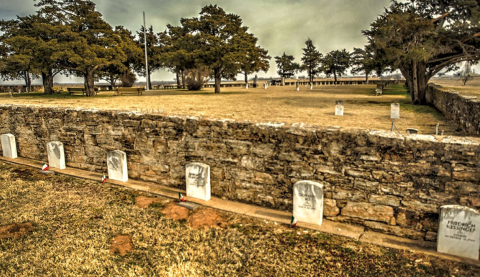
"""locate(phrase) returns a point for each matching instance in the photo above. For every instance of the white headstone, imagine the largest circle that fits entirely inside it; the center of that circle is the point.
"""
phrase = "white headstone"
(117, 165)
(56, 155)
(9, 146)
(339, 107)
(265, 85)
(308, 202)
(459, 231)
(298, 86)
(395, 111)
(246, 86)
(198, 181)
(311, 86)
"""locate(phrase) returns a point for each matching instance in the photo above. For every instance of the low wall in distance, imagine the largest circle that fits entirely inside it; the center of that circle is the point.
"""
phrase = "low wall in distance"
(461, 109)
(382, 181)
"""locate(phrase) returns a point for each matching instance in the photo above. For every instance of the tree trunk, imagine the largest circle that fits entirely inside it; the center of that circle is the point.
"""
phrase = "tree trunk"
(366, 77)
(283, 81)
(246, 77)
(335, 76)
(28, 82)
(47, 79)
(218, 79)
(184, 83)
(178, 80)
(417, 81)
(89, 84)
(149, 80)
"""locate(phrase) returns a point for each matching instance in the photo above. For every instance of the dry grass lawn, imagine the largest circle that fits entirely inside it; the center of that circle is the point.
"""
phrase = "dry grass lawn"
(472, 87)
(276, 104)
(85, 228)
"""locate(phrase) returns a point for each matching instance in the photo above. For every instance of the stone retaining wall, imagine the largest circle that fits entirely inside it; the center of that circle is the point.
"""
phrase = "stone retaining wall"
(376, 179)
(461, 109)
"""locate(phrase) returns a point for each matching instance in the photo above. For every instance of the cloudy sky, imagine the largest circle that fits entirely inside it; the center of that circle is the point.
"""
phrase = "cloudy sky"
(280, 25)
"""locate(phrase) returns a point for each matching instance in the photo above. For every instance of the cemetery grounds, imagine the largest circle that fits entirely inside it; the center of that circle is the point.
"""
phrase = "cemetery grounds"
(64, 226)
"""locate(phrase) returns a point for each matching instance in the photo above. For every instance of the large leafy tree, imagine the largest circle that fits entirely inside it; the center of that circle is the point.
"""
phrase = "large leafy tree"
(336, 63)
(118, 69)
(88, 43)
(362, 60)
(286, 67)
(421, 38)
(154, 50)
(217, 40)
(256, 58)
(311, 59)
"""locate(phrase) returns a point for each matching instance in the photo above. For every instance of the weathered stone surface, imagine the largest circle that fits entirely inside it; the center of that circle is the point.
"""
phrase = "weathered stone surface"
(368, 211)
(330, 207)
(385, 200)
(259, 163)
(416, 205)
(394, 230)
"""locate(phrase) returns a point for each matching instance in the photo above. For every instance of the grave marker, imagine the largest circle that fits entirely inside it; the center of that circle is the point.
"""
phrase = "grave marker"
(459, 231)
(308, 202)
(395, 111)
(9, 146)
(117, 165)
(56, 154)
(197, 177)
(412, 131)
(298, 86)
(339, 107)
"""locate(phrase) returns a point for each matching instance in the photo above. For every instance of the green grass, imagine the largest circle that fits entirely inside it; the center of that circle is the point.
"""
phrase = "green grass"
(75, 220)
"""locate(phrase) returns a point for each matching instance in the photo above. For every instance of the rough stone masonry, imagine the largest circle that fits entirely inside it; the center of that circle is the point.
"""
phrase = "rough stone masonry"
(376, 179)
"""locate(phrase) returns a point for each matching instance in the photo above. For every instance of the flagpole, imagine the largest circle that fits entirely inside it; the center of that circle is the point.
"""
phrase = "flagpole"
(146, 57)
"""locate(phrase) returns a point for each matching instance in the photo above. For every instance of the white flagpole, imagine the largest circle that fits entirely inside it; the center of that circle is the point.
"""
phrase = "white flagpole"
(146, 57)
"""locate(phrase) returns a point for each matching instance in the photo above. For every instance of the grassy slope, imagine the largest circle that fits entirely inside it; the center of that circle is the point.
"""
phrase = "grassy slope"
(75, 220)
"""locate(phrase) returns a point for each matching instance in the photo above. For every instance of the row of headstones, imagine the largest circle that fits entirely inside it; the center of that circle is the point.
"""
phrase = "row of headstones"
(459, 227)
(394, 109)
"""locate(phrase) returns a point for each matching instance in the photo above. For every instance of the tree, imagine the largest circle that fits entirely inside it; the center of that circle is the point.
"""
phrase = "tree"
(336, 62)
(153, 53)
(286, 67)
(362, 60)
(256, 58)
(119, 69)
(311, 59)
(421, 38)
(88, 42)
(218, 41)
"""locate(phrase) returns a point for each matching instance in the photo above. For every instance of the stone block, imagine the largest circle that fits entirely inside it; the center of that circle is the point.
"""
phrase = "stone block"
(9, 146)
(459, 231)
(368, 211)
(197, 177)
(117, 165)
(56, 155)
(308, 202)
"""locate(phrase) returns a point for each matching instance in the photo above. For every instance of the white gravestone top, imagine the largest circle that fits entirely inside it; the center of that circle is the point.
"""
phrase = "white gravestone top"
(117, 165)
(395, 111)
(308, 202)
(56, 155)
(9, 146)
(339, 107)
(197, 177)
(459, 231)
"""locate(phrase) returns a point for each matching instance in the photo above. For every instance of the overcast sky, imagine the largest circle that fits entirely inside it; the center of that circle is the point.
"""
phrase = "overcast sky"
(280, 25)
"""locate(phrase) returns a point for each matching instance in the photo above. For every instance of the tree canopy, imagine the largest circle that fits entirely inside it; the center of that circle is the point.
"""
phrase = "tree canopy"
(311, 59)
(219, 41)
(336, 63)
(286, 67)
(422, 38)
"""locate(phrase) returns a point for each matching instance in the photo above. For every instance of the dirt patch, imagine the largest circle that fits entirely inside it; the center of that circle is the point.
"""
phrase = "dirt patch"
(144, 202)
(15, 230)
(205, 219)
(175, 212)
(121, 244)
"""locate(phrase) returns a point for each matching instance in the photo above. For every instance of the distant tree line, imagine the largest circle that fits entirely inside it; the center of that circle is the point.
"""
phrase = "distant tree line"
(419, 38)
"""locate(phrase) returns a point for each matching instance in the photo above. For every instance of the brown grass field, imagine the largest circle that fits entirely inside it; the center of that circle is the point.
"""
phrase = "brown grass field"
(54, 225)
(472, 87)
(276, 104)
